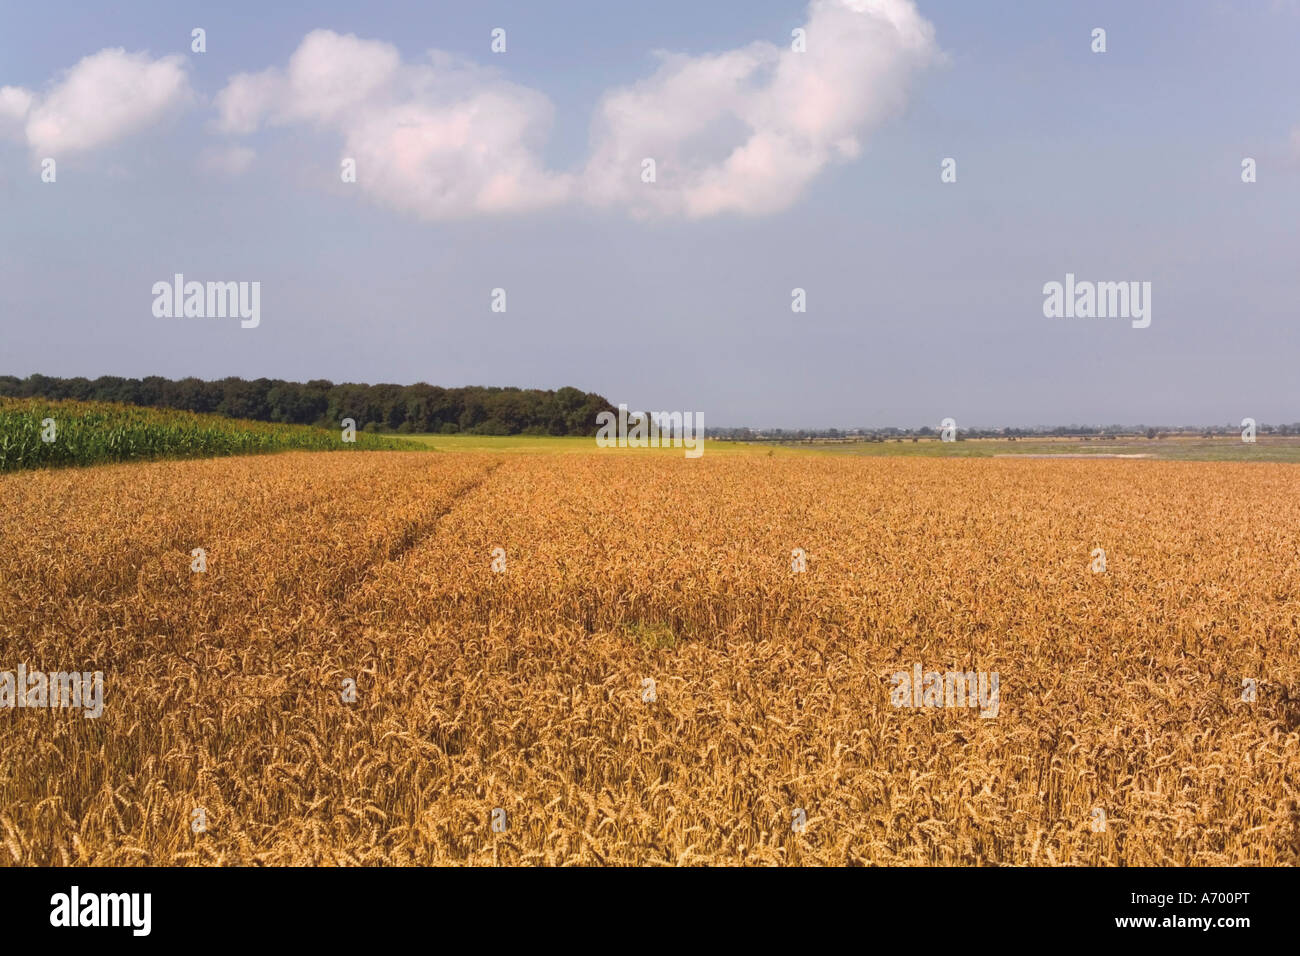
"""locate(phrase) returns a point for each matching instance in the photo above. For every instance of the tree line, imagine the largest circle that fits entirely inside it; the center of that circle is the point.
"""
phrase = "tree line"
(419, 408)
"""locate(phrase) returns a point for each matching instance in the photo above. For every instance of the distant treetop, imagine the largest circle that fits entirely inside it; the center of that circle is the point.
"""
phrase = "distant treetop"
(418, 408)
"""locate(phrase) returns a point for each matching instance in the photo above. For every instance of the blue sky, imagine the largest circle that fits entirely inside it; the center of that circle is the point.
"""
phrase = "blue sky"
(924, 298)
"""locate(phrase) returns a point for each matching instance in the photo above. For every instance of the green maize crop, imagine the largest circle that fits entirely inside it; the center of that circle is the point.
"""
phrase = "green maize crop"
(92, 433)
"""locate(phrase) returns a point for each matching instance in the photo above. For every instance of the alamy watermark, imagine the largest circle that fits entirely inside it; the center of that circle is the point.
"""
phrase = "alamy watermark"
(1098, 300)
(213, 300)
(60, 689)
(76, 908)
(946, 689)
(652, 430)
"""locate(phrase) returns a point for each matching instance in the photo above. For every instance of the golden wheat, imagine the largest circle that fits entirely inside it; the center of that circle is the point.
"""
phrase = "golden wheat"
(523, 691)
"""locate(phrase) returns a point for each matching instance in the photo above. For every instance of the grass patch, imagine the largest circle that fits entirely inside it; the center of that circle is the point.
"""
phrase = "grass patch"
(1225, 448)
(578, 444)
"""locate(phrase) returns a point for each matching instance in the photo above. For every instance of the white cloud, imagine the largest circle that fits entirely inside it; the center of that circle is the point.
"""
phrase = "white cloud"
(746, 130)
(741, 131)
(440, 139)
(103, 98)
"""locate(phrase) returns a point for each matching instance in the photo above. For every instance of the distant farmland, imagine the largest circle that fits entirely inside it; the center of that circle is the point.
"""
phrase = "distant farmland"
(1279, 448)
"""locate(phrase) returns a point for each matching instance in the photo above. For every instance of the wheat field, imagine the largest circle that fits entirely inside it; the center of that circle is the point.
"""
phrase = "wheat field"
(359, 676)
